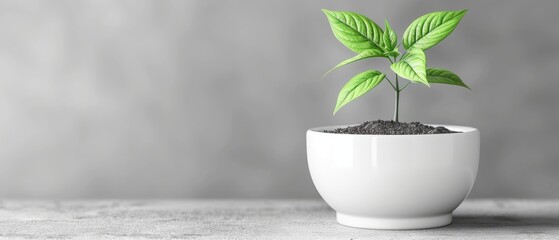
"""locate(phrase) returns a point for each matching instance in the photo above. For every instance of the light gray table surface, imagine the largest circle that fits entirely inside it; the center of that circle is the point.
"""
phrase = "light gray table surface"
(258, 219)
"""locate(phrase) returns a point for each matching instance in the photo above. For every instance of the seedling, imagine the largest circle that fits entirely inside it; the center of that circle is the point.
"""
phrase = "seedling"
(368, 40)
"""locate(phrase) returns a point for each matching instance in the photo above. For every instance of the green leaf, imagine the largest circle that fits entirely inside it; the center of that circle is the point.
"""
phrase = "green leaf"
(389, 37)
(365, 54)
(439, 75)
(357, 86)
(431, 28)
(393, 53)
(412, 66)
(355, 31)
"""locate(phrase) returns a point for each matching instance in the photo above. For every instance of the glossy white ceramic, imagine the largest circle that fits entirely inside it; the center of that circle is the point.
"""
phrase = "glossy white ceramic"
(393, 181)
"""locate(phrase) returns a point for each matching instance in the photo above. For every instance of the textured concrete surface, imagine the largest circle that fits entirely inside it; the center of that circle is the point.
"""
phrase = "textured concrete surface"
(258, 219)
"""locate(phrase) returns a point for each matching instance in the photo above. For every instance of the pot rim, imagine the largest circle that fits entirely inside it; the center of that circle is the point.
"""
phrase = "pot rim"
(461, 129)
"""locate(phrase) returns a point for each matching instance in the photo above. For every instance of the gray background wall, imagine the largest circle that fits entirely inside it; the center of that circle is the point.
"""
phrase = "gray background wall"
(212, 98)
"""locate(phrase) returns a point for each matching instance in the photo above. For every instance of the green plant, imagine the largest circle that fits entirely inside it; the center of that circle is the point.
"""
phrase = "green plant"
(368, 40)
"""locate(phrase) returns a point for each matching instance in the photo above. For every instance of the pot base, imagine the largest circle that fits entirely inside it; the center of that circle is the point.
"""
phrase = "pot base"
(394, 223)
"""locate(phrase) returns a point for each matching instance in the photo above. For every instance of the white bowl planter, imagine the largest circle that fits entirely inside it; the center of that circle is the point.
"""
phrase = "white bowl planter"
(393, 181)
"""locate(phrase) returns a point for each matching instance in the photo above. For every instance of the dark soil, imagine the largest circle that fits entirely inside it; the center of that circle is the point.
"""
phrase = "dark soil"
(381, 127)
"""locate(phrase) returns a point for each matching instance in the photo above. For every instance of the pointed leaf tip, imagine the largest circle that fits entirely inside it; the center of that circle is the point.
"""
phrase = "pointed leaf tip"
(363, 55)
(357, 86)
(355, 31)
(430, 29)
(443, 76)
(389, 37)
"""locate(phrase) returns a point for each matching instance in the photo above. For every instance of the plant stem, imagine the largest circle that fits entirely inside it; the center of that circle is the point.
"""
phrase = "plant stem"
(392, 85)
(397, 101)
(402, 89)
(397, 95)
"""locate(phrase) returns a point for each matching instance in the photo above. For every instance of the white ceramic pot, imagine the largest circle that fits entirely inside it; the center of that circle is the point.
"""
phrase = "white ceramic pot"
(393, 181)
